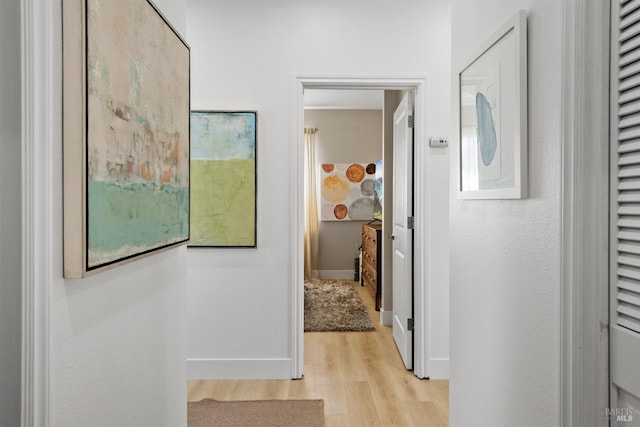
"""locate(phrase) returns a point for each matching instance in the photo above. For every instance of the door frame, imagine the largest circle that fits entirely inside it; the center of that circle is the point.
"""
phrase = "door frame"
(584, 311)
(403, 267)
(39, 112)
(296, 256)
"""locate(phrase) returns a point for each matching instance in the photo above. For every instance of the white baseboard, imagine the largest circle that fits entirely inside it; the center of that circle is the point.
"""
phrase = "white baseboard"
(336, 274)
(239, 369)
(439, 369)
(386, 317)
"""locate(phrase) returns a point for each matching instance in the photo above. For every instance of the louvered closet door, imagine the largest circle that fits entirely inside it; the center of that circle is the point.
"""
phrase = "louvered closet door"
(625, 214)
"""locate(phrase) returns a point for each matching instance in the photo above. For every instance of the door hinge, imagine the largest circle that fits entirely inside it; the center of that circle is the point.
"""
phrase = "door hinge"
(411, 223)
(412, 120)
(409, 324)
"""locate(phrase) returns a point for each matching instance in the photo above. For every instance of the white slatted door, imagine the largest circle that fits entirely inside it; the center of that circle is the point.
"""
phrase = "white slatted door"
(625, 214)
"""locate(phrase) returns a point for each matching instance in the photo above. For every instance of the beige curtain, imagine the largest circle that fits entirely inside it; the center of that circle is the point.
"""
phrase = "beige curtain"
(310, 206)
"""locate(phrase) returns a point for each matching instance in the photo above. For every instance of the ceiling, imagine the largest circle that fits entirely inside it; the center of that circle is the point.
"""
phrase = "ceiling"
(342, 99)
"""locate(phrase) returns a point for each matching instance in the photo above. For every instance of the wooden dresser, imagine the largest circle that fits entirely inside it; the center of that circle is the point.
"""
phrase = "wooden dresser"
(371, 272)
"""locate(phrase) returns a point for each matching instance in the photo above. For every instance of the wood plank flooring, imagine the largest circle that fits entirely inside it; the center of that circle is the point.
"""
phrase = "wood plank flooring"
(359, 375)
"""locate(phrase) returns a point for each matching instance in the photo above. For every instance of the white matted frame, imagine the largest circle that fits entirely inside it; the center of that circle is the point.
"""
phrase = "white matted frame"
(492, 161)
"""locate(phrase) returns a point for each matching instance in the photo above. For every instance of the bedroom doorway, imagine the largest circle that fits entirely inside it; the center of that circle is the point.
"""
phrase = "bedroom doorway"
(417, 87)
(345, 128)
(344, 176)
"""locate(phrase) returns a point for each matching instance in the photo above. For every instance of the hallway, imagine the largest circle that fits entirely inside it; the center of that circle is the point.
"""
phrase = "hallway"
(359, 375)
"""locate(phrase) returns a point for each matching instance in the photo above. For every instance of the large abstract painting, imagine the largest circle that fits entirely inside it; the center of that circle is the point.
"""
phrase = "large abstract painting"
(348, 191)
(223, 179)
(126, 142)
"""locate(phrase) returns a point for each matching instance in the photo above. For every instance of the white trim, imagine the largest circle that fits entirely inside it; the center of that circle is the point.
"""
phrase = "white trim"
(336, 274)
(584, 245)
(373, 83)
(386, 317)
(342, 107)
(296, 212)
(38, 132)
(421, 191)
(419, 84)
(239, 369)
(439, 369)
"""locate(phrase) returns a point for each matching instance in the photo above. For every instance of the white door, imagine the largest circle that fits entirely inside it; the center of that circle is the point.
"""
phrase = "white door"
(402, 230)
(625, 218)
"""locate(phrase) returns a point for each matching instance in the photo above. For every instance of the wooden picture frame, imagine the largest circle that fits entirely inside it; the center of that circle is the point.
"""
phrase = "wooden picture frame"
(492, 155)
(126, 89)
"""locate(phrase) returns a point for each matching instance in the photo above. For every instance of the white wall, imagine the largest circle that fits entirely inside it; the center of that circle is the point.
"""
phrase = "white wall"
(345, 136)
(505, 269)
(245, 55)
(10, 216)
(117, 343)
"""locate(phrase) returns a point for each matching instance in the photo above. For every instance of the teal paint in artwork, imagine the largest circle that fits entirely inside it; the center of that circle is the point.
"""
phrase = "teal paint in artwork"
(487, 139)
(142, 216)
(136, 85)
(137, 140)
(223, 136)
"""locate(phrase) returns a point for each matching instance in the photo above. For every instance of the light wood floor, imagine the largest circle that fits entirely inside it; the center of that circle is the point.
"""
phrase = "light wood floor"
(359, 375)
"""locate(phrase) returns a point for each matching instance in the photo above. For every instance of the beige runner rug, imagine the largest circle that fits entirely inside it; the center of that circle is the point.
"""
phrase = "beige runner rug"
(256, 413)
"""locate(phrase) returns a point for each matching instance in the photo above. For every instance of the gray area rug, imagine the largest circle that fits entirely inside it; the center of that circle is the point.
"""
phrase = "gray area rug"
(255, 413)
(334, 305)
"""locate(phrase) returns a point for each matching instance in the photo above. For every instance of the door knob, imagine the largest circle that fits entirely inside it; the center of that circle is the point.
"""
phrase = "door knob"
(392, 237)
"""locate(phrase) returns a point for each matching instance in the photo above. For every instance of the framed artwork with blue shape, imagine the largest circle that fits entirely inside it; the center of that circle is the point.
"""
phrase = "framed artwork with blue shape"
(492, 155)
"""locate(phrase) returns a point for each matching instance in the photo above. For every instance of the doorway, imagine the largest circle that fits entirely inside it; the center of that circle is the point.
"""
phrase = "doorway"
(420, 332)
(361, 130)
(346, 129)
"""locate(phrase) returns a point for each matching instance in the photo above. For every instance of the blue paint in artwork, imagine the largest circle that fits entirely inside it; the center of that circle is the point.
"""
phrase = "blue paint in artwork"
(223, 136)
(487, 140)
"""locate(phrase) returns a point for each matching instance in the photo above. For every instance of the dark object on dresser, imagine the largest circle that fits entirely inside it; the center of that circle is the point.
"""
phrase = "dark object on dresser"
(372, 259)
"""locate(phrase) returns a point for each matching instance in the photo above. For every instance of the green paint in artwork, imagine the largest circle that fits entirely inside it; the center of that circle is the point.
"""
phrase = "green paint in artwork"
(138, 70)
(125, 220)
(223, 202)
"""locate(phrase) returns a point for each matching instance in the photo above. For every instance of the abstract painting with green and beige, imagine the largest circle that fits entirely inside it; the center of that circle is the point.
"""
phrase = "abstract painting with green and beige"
(137, 132)
(223, 179)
